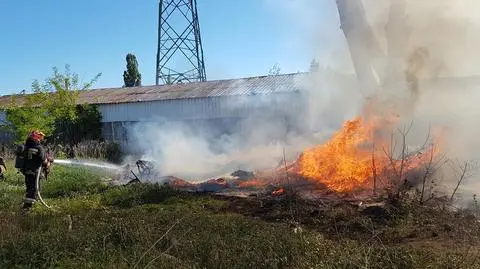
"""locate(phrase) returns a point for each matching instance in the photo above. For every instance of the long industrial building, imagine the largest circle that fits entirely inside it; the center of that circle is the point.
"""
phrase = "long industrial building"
(220, 106)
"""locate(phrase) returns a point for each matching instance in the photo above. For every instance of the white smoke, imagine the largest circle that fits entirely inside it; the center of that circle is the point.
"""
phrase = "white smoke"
(176, 149)
(192, 153)
(431, 39)
(436, 41)
(245, 132)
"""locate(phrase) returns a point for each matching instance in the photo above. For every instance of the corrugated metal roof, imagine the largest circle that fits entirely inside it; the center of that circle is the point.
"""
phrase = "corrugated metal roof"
(243, 86)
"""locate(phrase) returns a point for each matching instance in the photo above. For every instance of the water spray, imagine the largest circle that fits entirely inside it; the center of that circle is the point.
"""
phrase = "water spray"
(101, 165)
(71, 162)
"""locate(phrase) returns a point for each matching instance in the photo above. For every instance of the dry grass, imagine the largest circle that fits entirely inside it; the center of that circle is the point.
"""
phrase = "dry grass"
(152, 226)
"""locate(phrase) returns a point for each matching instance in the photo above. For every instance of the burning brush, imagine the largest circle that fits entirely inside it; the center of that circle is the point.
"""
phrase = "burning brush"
(355, 162)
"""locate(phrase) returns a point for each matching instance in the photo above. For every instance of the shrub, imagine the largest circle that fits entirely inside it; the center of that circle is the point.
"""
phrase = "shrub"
(105, 150)
(7, 151)
(113, 152)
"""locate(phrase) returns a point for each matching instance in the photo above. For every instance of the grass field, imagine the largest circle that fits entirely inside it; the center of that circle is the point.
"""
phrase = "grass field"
(151, 226)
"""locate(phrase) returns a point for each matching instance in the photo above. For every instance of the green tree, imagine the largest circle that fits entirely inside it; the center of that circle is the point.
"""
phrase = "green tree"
(274, 71)
(27, 114)
(87, 125)
(52, 104)
(63, 104)
(132, 77)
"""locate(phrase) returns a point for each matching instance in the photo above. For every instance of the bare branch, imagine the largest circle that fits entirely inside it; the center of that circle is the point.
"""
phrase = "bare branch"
(285, 165)
(428, 172)
(432, 167)
(404, 152)
(374, 168)
(393, 144)
(164, 254)
(392, 162)
(156, 242)
(405, 131)
(427, 139)
(462, 176)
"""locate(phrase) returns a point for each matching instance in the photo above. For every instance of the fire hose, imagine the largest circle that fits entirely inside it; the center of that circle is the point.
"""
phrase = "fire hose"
(37, 186)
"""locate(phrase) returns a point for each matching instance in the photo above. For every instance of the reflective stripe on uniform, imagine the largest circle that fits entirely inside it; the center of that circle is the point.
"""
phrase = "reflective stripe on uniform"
(29, 200)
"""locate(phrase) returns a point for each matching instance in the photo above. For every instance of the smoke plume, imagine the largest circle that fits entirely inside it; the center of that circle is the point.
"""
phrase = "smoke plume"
(415, 56)
(422, 56)
(438, 55)
(252, 136)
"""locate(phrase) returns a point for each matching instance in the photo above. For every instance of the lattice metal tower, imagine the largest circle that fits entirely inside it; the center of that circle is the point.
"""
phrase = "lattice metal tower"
(179, 52)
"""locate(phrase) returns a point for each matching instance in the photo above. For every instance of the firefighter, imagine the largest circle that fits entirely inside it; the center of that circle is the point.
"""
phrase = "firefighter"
(35, 156)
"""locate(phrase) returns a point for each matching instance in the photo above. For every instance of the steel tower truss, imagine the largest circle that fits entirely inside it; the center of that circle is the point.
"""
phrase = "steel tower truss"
(179, 52)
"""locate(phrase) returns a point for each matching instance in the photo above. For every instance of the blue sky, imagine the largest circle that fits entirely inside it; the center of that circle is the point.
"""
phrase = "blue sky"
(240, 38)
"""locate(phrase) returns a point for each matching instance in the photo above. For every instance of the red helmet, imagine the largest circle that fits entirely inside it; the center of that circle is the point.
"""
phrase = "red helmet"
(37, 135)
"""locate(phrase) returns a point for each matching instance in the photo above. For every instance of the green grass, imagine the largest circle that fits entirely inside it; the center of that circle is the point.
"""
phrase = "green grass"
(96, 226)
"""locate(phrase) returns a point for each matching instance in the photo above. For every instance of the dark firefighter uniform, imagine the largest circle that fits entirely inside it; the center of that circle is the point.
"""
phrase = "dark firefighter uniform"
(35, 157)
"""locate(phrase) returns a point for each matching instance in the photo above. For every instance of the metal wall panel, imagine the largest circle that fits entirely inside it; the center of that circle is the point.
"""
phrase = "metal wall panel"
(203, 108)
(211, 117)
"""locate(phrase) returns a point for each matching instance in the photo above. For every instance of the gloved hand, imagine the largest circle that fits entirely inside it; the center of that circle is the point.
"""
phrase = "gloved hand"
(47, 164)
(46, 170)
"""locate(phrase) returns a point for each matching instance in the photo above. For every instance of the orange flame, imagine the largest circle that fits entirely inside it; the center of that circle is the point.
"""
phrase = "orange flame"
(278, 192)
(252, 183)
(352, 157)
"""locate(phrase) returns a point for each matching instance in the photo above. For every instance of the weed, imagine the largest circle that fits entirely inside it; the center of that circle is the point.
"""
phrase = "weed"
(69, 181)
(137, 194)
(107, 150)
(154, 226)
